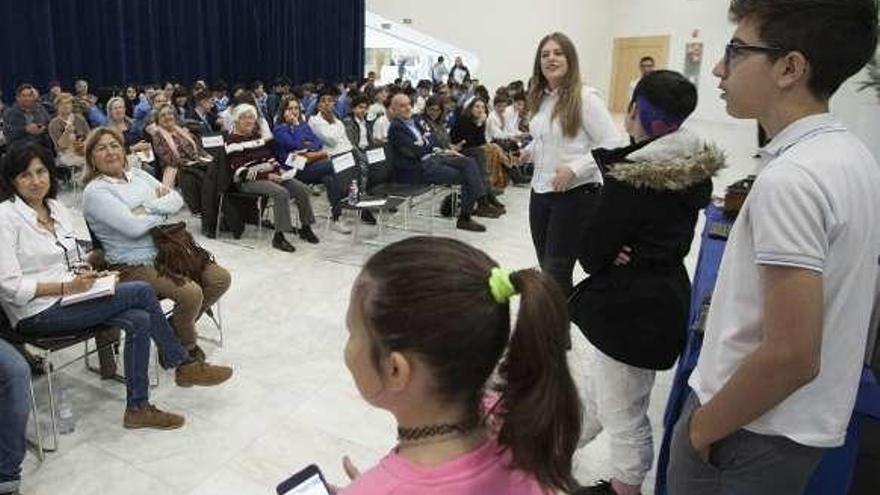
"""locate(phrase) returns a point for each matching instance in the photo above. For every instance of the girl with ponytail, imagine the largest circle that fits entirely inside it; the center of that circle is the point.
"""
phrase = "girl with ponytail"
(429, 322)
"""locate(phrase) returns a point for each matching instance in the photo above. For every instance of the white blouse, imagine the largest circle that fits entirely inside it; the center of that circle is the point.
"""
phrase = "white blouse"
(333, 135)
(550, 149)
(29, 254)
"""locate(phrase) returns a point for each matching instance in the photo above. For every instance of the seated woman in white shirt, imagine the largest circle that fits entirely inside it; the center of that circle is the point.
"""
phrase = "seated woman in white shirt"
(38, 254)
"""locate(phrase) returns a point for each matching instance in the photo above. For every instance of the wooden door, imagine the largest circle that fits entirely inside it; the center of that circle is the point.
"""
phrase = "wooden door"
(625, 65)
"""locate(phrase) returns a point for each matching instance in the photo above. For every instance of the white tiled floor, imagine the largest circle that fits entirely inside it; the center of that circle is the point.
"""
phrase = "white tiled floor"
(291, 401)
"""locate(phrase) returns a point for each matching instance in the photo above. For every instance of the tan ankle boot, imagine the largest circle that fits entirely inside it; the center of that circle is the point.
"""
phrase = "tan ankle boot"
(201, 374)
(149, 416)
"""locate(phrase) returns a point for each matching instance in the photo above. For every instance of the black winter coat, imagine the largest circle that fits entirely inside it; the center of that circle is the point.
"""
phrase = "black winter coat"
(637, 313)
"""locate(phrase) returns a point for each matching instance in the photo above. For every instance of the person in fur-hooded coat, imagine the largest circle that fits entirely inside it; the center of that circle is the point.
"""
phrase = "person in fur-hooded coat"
(634, 306)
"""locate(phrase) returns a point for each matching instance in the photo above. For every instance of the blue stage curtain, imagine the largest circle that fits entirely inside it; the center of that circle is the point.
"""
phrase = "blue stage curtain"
(110, 42)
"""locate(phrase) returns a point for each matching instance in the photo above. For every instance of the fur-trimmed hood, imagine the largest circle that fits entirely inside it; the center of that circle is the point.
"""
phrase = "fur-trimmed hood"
(675, 162)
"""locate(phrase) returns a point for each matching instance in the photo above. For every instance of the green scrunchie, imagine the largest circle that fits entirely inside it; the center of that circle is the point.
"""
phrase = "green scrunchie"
(501, 286)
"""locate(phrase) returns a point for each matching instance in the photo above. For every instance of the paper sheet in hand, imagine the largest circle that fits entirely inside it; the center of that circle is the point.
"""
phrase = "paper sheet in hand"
(212, 141)
(375, 155)
(343, 162)
(104, 287)
(146, 156)
(296, 162)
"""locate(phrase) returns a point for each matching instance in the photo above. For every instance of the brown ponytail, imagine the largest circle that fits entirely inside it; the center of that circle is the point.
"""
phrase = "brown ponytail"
(430, 296)
(541, 417)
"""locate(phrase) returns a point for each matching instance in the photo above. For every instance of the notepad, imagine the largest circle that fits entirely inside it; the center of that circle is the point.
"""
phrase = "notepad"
(343, 162)
(103, 287)
(375, 155)
(212, 141)
(370, 203)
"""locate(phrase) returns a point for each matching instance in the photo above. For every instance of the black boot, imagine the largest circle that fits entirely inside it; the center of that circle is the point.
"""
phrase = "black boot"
(281, 244)
(306, 234)
(466, 223)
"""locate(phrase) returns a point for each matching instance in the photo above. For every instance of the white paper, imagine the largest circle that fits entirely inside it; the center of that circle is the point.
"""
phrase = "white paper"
(146, 156)
(104, 286)
(212, 141)
(296, 162)
(370, 203)
(343, 162)
(375, 155)
(289, 174)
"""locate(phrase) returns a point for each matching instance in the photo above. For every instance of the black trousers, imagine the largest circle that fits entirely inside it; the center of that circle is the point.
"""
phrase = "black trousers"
(559, 227)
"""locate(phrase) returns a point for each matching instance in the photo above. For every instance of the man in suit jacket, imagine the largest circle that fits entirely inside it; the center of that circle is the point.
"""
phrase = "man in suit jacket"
(416, 158)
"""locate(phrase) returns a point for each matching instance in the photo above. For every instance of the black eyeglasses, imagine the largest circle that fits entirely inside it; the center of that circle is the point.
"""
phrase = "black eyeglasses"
(734, 49)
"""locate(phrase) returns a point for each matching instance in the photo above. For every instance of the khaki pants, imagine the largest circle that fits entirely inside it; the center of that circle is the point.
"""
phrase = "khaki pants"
(190, 299)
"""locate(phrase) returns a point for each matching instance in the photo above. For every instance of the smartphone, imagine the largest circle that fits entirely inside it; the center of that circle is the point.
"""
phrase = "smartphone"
(309, 481)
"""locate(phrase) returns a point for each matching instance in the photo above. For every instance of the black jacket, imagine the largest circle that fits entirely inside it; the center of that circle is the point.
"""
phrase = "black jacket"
(637, 313)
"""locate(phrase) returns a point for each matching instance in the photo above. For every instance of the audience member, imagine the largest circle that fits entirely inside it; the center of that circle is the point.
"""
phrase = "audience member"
(468, 429)
(48, 99)
(423, 93)
(131, 100)
(567, 120)
(295, 138)
(202, 112)
(439, 71)
(118, 121)
(15, 396)
(261, 98)
(435, 117)
(470, 131)
(256, 171)
(653, 193)
(27, 120)
(37, 275)
(181, 158)
(358, 129)
(121, 207)
(777, 378)
(68, 131)
(221, 99)
(82, 101)
(280, 89)
(379, 104)
(309, 99)
(181, 103)
(329, 127)
(414, 160)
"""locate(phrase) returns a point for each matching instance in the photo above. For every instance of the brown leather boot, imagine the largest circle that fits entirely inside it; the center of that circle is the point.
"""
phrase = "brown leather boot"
(149, 416)
(201, 374)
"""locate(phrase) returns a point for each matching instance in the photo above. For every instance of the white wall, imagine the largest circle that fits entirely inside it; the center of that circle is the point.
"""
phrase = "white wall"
(504, 34)
(678, 18)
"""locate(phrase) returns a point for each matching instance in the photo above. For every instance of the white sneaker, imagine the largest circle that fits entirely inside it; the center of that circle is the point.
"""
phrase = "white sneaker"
(339, 228)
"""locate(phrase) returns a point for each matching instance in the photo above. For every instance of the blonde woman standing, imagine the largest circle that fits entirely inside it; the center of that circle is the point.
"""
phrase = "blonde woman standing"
(568, 120)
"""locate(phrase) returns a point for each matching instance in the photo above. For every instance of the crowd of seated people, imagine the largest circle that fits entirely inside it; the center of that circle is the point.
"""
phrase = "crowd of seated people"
(162, 126)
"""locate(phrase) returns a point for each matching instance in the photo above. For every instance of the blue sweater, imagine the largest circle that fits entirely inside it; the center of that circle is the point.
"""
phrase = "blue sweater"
(294, 138)
(108, 206)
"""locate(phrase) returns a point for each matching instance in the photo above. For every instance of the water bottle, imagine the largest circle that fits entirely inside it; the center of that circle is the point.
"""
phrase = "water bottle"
(66, 421)
(353, 193)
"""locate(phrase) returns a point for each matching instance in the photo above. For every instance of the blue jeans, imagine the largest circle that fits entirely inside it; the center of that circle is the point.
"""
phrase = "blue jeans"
(322, 172)
(14, 410)
(136, 310)
(462, 170)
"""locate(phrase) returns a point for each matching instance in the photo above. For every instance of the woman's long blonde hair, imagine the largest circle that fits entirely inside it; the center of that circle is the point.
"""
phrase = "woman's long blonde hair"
(90, 170)
(568, 106)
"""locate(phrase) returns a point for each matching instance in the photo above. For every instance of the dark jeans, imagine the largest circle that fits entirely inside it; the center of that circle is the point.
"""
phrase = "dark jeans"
(136, 310)
(450, 169)
(14, 410)
(323, 173)
(558, 222)
(743, 463)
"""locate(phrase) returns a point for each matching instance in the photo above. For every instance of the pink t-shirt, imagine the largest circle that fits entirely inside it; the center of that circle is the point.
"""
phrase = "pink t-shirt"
(483, 471)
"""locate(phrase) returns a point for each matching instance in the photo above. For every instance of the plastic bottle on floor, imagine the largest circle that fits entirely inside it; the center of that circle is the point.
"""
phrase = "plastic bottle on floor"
(66, 420)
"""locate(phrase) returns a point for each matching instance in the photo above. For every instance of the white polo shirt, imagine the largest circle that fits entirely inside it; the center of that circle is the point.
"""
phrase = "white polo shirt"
(815, 205)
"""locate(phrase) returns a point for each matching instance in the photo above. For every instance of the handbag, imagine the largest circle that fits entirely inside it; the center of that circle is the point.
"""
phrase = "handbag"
(179, 257)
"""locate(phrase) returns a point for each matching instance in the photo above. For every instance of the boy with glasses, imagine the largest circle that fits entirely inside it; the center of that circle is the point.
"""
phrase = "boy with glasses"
(777, 378)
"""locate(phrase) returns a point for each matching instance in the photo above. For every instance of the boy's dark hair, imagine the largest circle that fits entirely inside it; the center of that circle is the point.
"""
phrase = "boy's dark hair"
(412, 302)
(669, 91)
(647, 58)
(360, 99)
(424, 84)
(17, 160)
(837, 37)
